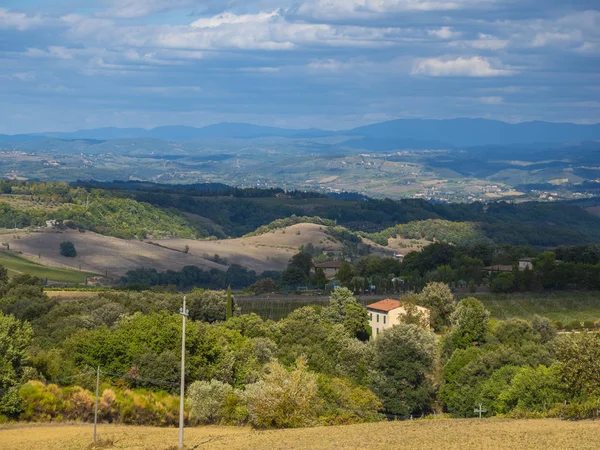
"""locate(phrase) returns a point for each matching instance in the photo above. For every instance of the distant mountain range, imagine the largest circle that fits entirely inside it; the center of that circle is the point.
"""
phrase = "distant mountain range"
(403, 133)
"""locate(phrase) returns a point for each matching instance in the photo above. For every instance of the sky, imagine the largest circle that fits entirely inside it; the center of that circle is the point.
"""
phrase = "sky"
(334, 64)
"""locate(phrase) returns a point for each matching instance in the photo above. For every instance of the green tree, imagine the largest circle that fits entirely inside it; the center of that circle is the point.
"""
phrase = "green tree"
(293, 276)
(469, 324)
(320, 279)
(338, 302)
(440, 301)
(345, 274)
(503, 283)
(229, 307)
(356, 322)
(403, 361)
(15, 337)
(533, 389)
(578, 358)
(67, 249)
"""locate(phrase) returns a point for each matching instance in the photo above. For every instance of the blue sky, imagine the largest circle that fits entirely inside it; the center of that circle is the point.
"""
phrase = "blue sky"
(72, 64)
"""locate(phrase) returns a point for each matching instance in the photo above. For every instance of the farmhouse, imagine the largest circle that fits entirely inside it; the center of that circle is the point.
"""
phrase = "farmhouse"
(387, 313)
(331, 268)
(526, 263)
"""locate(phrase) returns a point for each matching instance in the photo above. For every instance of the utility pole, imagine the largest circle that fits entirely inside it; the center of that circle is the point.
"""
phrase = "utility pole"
(184, 313)
(96, 408)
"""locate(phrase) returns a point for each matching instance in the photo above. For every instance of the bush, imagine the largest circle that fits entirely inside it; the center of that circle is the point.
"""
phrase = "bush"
(207, 399)
(133, 407)
(573, 325)
(67, 249)
(283, 399)
(589, 324)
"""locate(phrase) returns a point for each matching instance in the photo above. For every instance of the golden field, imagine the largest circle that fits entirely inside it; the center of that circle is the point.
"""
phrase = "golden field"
(422, 434)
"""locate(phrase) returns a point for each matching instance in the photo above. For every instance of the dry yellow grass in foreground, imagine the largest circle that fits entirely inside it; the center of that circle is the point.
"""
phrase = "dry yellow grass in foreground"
(444, 434)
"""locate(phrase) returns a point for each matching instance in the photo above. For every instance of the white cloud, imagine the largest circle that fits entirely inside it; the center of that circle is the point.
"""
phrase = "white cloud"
(475, 66)
(17, 20)
(444, 33)
(228, 18)
(484, 42)
(491, 100)
(131, 9)
(338, 9)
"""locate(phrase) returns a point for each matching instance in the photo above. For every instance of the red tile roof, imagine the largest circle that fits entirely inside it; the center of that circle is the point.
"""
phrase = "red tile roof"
(385, 305)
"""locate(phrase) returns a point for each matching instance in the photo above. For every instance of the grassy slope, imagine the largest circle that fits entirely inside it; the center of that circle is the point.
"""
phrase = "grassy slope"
(409, 435)
(16, 265)
(563, 306)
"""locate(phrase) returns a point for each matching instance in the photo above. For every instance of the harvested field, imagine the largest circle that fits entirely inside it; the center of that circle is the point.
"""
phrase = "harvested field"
(270, 251)
(101, 254)
(424, 434)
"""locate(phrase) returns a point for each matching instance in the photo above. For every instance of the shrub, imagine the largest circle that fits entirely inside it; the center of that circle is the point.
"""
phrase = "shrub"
(283, 399)
(44, 403)
(573, 325)
(589, 324)
(207, 398)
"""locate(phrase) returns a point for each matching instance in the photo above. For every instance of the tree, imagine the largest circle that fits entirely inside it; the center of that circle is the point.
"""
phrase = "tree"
(578, 358)
(338, 302)
(293, 276)
(229, 307)
(503, 283)
(15, 337)
(67, 249)
(263, 286)
(533, 389)
(302, 261)
(320, 279)
(356, 322)
(403, 360)
(440, 301)
(207, 306)
(3, 276)
(345, 274)
(469, 324)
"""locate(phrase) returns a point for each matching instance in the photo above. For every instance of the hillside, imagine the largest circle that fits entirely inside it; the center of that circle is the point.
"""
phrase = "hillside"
(409, 435)
(102, 254)
(99, 254)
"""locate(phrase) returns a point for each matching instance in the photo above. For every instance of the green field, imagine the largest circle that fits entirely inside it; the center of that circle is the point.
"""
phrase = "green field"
(17, 265)
(563, 306)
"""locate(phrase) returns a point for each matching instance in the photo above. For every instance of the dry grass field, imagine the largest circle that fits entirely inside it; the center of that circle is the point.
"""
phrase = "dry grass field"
(425, 434)
(270, 251)
(98, 254)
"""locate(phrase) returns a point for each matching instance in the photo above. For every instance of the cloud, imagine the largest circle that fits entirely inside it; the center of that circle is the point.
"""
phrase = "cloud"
(339, 9)
(475, 66)
(132, 9)
(491, 100)
(444, 33)
(18, 20)
(228, 18)
(483, 42)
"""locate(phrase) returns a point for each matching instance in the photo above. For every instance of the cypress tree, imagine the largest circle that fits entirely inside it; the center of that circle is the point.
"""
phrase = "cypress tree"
(229, 311)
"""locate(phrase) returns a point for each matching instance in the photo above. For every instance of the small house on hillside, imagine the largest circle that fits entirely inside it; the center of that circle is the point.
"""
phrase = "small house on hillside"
(387, 313)
(331, 268)
(526, 263)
